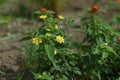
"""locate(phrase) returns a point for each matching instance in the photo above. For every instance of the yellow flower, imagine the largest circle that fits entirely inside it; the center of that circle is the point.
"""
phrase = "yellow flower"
(55, 52)
(56, 26)
(47, 29)
(36, 40)
(43, 16)
(47, 34)
(60, 17)
(39, 76)
(59, 39)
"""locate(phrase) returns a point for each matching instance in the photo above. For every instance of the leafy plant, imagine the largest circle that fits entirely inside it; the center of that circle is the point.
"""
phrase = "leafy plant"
(99, 49)
(48, 55)
(51, 55)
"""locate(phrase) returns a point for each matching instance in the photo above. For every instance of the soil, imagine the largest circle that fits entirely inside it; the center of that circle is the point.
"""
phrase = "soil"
(11, 48)
(11, 53)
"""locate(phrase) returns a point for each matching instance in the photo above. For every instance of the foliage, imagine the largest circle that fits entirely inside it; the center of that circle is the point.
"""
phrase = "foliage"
(51, 55)
(2, 1)
(4, 19)
(100, 50)
(48, 55)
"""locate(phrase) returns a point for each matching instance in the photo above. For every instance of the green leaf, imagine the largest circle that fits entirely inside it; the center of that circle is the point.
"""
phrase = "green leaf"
(47, 76)
(2, 73)
(64, 77)
(37, 12)
(2, 1)
(25, 38)
(20, 76)
(74, 44)
(4, 19)
(36, 75)
(50, 12)
(50, 53)
(10, 36)
(77, 72)
(105, 55)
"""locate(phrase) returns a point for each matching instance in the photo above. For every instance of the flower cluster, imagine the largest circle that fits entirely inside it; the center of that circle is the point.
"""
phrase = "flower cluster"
(43, 16)
(59, 39)
(43, 10)
(94, 9)
(50, 30)
(36, 40)
(119, 39)
(53, 53)
(118, 1)
(61, 17)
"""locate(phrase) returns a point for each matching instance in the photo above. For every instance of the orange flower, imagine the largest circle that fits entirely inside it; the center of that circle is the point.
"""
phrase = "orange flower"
(119, 39)
(118, 1)
(43, 10)
(94, 9)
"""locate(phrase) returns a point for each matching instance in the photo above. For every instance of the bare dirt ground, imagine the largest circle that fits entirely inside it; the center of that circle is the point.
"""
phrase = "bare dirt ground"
(11, 53)
(11, 48)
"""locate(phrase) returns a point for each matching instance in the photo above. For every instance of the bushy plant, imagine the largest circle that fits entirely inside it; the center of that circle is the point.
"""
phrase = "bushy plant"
(100, 49)
(51, 55)
(48, 54)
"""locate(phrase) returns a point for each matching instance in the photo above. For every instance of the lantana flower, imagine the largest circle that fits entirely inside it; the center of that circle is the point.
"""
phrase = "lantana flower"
(43, 10)
(43, 16)
(59, 39)
(118, 1)
(95, 8)
(36, 40)
(61, 17)
(119, 39)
